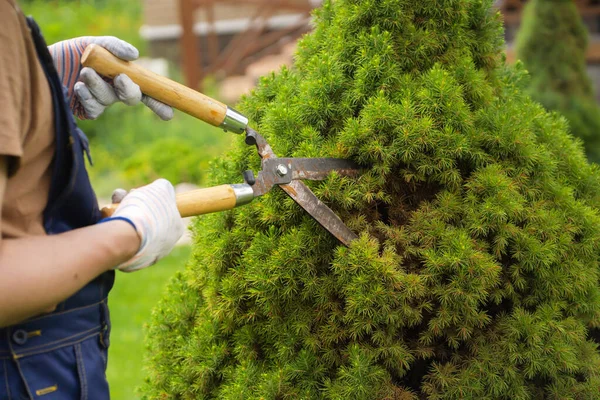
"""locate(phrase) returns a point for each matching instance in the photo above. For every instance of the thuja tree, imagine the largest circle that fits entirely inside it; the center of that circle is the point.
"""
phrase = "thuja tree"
(475, 274)
(552, 43)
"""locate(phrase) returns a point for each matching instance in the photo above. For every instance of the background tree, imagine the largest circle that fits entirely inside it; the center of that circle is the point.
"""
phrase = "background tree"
(552, 43)
(476, 272)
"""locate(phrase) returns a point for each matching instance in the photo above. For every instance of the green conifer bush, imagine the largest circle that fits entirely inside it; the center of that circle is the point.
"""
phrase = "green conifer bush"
(475, 275)
(552, 43)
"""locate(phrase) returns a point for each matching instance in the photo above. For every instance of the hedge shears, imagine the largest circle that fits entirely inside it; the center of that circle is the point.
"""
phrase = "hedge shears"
(286, 173)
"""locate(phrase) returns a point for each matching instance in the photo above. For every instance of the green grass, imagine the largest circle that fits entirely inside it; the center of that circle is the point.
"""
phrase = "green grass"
(131, 302)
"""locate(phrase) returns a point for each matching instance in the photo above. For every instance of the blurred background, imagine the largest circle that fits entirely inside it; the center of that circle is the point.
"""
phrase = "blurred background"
(220, 47)
(589, 14)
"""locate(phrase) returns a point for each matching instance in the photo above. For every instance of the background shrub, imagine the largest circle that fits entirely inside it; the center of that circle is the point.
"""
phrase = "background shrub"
(552, 43)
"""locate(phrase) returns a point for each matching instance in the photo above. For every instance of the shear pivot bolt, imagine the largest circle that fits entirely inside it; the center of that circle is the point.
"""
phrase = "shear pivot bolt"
(281, 170)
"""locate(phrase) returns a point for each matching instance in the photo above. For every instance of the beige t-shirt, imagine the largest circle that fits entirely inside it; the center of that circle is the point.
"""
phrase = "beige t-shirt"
(26, 127)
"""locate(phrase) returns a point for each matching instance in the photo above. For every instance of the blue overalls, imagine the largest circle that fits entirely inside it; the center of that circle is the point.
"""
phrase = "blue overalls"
(62, 355)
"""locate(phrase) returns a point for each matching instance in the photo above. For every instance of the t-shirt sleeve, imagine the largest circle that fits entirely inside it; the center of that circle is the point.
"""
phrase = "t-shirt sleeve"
(13, 67)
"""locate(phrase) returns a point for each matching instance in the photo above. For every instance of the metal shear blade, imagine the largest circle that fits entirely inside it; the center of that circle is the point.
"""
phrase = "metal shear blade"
(287, 172)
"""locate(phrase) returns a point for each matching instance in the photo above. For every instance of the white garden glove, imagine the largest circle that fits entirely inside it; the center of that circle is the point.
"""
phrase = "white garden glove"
(153, 212)
(89, 94)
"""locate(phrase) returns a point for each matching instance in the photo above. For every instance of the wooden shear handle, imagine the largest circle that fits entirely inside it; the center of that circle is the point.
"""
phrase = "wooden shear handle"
(205, 201)
(162, 89)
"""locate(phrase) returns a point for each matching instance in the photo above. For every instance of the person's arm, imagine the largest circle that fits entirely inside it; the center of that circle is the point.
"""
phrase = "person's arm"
(36, 273)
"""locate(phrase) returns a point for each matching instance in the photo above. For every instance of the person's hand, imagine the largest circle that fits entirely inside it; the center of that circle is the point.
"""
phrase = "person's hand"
(89, 94)
(153, 212)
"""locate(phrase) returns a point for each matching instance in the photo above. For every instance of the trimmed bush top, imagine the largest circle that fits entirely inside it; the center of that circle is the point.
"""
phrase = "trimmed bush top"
(476, 272)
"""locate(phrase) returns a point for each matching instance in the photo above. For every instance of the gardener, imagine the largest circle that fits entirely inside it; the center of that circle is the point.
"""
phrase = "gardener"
(56, 254)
